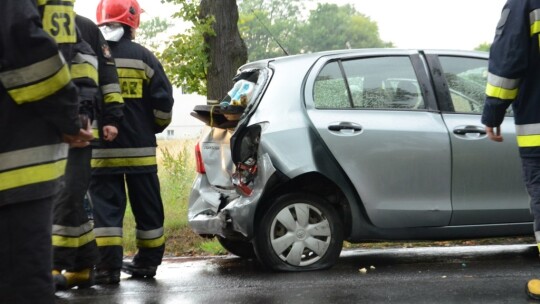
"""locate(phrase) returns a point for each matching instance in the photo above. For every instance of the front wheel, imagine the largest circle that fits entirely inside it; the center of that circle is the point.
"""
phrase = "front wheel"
(299, 232)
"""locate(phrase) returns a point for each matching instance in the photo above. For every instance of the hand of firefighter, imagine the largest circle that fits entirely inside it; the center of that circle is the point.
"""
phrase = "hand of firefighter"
(80, 140)
(494, 133)
(109, 132)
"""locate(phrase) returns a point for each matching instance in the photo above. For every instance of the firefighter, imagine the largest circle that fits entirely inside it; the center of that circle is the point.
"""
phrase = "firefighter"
(75, 250)
(131, 159)
(514, 73)
(38, 103)
(109, 108)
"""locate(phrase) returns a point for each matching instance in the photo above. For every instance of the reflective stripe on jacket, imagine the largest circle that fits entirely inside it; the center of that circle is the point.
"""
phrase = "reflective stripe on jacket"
(36, 81)
(29, 166)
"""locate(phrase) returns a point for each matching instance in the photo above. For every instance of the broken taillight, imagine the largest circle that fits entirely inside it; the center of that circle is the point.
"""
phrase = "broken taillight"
(244, 176)
(199, 160)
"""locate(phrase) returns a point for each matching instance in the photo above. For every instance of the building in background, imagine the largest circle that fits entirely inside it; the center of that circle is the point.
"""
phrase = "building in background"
(183, 125)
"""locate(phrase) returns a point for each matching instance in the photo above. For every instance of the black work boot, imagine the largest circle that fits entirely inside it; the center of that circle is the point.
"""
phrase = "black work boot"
(107, 276)
(139, 271)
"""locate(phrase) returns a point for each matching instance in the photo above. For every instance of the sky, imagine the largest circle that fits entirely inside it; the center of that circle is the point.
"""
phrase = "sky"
(455, 24)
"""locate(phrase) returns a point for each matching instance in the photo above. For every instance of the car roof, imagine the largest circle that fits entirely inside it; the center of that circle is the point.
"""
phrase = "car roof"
(312, 57)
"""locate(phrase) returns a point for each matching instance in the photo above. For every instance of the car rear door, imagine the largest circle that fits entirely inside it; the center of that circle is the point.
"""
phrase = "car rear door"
(487, 186)
(374, 114)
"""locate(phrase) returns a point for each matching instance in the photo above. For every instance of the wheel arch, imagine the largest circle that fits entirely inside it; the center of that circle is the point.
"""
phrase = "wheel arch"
(313, 183)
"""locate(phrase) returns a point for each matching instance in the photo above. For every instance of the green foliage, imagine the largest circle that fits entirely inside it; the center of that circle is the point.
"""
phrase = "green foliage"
(177, 167)
(176, 175)
(483, 47)
(186, 56)
(267, 24)
(148, 31)
(332, 27)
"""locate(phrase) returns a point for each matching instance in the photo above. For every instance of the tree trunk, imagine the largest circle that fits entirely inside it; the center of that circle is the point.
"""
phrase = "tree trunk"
(226, 50)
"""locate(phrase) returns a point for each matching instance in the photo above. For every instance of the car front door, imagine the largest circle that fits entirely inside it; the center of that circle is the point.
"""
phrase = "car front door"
(373, 115)
(487, 187)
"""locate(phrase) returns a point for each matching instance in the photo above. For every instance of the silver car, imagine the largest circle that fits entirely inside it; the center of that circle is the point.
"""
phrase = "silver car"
(310, 150)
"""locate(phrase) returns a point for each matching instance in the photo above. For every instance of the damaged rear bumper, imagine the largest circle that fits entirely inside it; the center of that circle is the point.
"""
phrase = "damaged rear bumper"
(207, 217)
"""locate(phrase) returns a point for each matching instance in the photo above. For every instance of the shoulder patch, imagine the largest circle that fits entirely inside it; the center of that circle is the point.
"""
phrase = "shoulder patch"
(106, 52)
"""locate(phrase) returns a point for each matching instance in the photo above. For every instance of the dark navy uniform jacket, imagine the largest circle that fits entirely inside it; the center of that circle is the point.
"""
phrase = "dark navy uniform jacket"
(148, 103)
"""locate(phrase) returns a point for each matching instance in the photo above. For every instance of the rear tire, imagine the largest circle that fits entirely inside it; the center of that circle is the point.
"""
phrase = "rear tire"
(242, 249)
(299, 232)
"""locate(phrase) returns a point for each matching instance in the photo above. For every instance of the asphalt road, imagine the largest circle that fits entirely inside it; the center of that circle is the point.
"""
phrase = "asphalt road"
(473, 274)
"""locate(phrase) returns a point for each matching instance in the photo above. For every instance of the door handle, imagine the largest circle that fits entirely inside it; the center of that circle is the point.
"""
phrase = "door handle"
(469, 130)
(341, 127)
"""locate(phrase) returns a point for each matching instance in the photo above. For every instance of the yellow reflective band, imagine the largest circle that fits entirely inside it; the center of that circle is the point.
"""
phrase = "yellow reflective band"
(113, 98)
(32, 175)
(162, 122)
(501, 93)
(124, 162)
(151, 243)
(84, 70)
(527, 141)
(59, 22)
(131, 73)
(109, 241)
(73, 242)
(41, 89)
(535, 28)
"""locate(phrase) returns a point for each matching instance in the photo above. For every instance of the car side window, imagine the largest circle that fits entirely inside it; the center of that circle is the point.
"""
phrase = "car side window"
(371, 83)
(330, 91)
(466, 78)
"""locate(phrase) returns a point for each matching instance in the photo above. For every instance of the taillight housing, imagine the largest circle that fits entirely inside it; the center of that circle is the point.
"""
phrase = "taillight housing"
(198, 159)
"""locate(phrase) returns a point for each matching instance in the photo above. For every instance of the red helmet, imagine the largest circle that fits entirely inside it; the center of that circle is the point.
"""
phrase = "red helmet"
(123, 11)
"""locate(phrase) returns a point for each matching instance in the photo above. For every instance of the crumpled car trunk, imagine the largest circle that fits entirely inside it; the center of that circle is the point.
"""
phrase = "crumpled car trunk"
(235, 168)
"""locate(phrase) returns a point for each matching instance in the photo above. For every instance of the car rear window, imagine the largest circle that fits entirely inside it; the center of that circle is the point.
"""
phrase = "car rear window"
(368, 83)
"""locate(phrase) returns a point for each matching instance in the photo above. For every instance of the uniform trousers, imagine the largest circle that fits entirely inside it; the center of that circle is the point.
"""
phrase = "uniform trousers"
(74, 242)
(108, 197)
(25, 253)
(531, 176)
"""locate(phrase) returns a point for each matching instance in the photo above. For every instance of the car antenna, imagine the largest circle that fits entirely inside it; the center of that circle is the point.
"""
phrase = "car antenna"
(270, 33)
